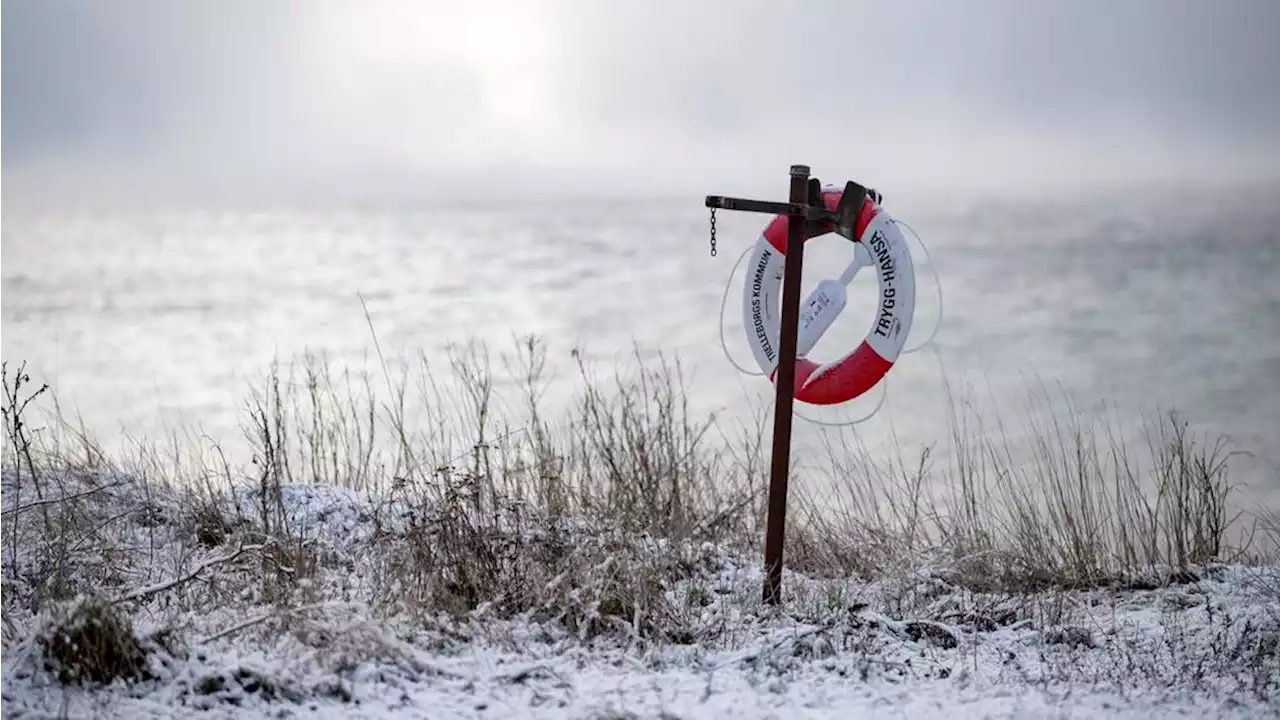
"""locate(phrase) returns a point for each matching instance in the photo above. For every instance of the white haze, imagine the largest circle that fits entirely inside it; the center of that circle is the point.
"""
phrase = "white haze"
(431, 99)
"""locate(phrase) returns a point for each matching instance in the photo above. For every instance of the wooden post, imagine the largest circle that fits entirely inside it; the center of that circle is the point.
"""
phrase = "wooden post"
(785, 384)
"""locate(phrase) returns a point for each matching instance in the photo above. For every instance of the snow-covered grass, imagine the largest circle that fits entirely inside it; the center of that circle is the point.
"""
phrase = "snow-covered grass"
(608, 567)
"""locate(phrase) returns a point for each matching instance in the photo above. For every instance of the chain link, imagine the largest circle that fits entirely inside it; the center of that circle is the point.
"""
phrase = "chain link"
(713, 232)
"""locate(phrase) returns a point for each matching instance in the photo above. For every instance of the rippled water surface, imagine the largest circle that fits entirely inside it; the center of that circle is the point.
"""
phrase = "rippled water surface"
(150, 320)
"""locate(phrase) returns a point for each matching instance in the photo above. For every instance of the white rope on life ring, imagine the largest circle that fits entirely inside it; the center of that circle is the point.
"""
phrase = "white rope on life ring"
(880, 244)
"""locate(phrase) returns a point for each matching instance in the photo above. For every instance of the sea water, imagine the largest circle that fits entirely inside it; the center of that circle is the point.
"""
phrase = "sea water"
(148, 320)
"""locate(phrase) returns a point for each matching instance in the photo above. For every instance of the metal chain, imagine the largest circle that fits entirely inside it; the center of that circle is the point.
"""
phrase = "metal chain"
(713, 232)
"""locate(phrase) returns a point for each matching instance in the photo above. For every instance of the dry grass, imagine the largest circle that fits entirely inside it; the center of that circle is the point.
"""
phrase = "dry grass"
(1074, 506)
(482, 500)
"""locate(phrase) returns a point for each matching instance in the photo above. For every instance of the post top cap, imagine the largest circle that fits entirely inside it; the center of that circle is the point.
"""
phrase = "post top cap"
(799, 169)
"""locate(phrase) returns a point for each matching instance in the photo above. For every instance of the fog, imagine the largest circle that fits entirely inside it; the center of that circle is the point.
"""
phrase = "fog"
(569, 97)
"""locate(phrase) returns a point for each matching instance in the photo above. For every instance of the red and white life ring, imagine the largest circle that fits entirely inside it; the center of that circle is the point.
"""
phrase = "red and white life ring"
(884, 246)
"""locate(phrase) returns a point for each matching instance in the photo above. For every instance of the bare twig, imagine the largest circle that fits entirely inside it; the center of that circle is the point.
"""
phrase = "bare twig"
(258, 620)
(144, 593)
(64, 498)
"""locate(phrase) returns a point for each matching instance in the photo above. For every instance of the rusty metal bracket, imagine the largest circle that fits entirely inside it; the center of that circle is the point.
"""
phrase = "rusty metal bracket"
(811, 208)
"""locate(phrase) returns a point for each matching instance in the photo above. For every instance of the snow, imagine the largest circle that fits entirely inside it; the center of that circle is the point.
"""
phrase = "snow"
(910, 644)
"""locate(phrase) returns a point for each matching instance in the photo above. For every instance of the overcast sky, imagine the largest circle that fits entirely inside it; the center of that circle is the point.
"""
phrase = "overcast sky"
(656, 95)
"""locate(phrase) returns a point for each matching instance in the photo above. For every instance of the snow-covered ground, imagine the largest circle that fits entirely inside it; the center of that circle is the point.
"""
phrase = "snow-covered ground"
(344, 637)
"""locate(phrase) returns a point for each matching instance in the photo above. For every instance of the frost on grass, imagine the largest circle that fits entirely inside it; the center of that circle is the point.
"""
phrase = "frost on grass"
(608, 568)
(623, 627)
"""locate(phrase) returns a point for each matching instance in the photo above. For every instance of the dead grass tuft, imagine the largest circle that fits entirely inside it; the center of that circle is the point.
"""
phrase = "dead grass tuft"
(94, 643)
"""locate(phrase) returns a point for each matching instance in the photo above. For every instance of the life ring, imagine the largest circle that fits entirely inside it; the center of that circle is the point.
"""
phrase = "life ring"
(883, 245)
